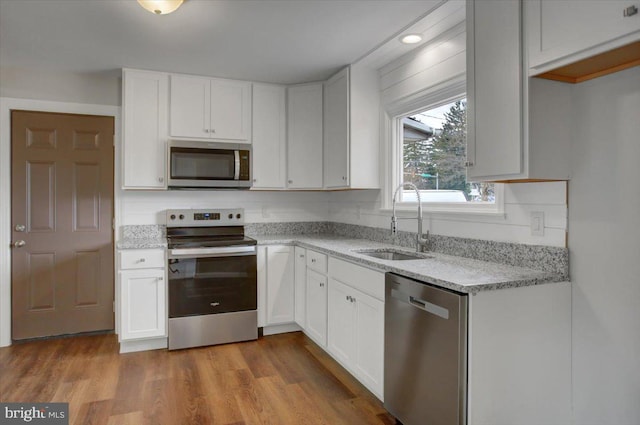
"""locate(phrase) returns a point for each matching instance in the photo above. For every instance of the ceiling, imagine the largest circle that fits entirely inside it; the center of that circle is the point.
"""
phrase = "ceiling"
(278, 41)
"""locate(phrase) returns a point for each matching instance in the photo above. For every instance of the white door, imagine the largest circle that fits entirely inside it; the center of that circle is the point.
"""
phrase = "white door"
(143, 304)
(145, 101)
(341, 319)
(336, 130)
(230, 110)
(317, 307)
(494, 92)
(190, 107)
(279, 285)
(300, 290)
(369, 341)
(269, 140)
(304, 136)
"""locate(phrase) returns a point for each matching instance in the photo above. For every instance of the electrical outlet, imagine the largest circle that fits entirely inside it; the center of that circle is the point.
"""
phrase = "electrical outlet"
(537, 223)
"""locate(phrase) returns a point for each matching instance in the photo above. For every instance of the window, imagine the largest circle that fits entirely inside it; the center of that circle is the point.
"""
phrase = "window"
(431, 147)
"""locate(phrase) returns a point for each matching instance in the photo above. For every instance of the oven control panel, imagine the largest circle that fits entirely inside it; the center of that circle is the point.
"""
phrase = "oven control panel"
(205, 218)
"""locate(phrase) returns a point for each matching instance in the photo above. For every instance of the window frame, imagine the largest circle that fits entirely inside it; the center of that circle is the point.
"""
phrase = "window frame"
(393, 130)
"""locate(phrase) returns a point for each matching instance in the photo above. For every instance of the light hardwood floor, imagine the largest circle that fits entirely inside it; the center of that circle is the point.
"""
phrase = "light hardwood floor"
(280, 379)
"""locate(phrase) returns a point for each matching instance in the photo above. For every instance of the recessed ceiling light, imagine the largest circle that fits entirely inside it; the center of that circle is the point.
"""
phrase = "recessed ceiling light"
(160, 7)
(411, 38)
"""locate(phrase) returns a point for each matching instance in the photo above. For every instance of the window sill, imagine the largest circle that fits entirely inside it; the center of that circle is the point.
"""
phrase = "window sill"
(448, 210)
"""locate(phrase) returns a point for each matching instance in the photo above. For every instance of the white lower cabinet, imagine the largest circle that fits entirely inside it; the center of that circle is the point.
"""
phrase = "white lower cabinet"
(356, 334)
(356, 326)
(300, 286)
(143, 304)
(279, 285)
(275, 286)
(142, 295)
(316, 307)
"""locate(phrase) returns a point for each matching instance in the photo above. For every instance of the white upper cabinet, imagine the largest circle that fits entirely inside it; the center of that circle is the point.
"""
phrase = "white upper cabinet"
(494, 91)
(516, 126)
(304, 136)
(269, 136)
(336, 130)
(560, 32)
(145, 106)
(210, 108)
(351, 129)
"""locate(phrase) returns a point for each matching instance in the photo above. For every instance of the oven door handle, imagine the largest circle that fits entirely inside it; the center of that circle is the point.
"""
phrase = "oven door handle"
(226, 251)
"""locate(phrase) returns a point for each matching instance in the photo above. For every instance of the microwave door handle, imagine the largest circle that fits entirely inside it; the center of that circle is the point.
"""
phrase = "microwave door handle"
(236, 155)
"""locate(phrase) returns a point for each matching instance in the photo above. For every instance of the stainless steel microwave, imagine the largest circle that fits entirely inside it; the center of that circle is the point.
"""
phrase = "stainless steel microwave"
(200, 165)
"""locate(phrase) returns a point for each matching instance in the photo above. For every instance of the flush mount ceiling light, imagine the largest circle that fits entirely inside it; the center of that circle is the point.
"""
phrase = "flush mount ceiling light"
(160, 7)
(408, 39)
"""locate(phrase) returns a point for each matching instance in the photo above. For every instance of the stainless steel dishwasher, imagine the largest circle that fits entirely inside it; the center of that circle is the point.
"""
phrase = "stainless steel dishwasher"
(425, 353)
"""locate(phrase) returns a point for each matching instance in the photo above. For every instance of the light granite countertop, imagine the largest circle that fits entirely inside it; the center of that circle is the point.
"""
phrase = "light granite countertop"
(456, 273)
(142, 243)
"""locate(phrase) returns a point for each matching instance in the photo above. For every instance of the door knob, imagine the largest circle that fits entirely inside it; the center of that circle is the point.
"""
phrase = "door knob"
(19, 244)
(20, 228)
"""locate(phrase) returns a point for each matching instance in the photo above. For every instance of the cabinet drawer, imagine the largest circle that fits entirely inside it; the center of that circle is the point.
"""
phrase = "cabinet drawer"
(369, 281)
(141, 258)
(317, 261)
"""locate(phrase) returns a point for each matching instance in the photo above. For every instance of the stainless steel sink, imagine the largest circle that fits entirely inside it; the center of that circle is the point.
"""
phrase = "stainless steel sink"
(393, 254)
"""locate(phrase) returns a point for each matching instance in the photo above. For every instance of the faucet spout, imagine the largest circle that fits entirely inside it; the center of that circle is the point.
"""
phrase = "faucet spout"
(420, 238)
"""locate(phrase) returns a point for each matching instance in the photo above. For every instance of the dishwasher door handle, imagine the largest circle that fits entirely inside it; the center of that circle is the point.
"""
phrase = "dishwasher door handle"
(421, 304)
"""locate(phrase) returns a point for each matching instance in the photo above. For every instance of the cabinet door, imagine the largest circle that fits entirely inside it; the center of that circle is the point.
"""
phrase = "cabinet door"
(145, 109)
(494, 90)
(261, 259)
(190, 106)
(230, 110)
(143, 308)
(304, 137)
(317, 307)
(558, 29)
(300, 290)
(279, 285)
(368, 360)
(269, 136)
(341, 318)
(336, 130)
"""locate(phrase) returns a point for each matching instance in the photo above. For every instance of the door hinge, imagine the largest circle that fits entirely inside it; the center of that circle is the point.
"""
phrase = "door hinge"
(113, 223)
(114, 306)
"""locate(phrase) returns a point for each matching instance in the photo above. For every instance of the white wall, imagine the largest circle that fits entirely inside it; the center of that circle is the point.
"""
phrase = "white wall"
(604, 246)
(146, 207)
(29, 83)
(363, 208)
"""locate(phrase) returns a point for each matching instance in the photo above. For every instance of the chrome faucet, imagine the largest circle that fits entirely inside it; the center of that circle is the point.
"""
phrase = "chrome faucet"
(421, 240)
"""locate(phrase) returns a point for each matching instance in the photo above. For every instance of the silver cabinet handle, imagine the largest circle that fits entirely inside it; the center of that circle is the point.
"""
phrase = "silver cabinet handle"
(322, 285)
(468, 164)
(301, 255)
(290, 181)
(20, 228)
(161, 179)
(629, 11)
(19, 244)
(141, 260)
(213, 130)
(313, 260)
(206, 130)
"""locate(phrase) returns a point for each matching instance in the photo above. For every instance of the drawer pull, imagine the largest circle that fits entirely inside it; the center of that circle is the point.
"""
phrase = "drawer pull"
(141, 260)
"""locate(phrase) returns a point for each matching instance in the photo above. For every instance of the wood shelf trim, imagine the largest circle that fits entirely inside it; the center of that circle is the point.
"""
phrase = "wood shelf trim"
(597, 66)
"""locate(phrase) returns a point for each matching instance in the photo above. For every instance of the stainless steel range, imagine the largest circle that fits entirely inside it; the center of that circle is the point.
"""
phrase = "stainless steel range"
(212, 278)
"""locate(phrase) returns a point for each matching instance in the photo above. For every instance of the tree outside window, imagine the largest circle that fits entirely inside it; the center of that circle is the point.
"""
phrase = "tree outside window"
(434, 156)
